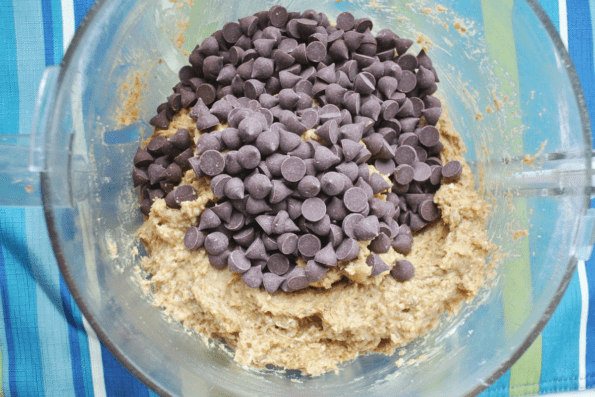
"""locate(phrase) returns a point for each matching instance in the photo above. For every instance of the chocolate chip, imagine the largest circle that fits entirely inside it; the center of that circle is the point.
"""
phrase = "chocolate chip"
(403, 270)
(314, 271)
(287, 243)
(416, 223)
(385, 166)
(352, 132)
(278, 264)
(272, 282)
(367, 229)
(407, 82)
(332, 183)
(279, 192)
(140, 177)
(334, 94)
(326, 256)
(405, 155)
(238, 263)
(404, 174)
(436, 174)
(355, 199)
(432, 115)
(451, 170)
(288, 79)
(309, 186)
(223, 211)
(303, 151)
(253, 277)
(293, 169)
(348, 250)
(313, 209)
(349, 223)
(329, 131)
(361, 183)
(296, 279)
(254, 88)
(257, 250)
(309, 245)
(364, 83)
(378, 183)
(402, 244)
(380, 244)
(258, 186)
(193, 238)
(208, 220)
(212, 162)
(421, 172)
(429, 136)
(236, 222)
(216, 243)
(263, 68)
(219, 261)
(377, 264)
(249, 157)
(316, 51)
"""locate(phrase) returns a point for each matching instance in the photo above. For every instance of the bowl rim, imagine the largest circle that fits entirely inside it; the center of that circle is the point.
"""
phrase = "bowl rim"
(103, 336)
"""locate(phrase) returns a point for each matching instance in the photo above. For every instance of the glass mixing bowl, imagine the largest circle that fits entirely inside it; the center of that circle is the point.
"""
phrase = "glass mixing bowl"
(511, 91)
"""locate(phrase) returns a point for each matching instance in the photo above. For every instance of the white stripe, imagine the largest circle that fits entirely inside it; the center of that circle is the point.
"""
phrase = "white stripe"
(96, 361)
(67, 22)
(563, 21)
(582, 341)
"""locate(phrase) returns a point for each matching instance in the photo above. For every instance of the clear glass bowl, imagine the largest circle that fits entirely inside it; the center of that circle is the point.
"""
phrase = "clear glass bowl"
(484, 51)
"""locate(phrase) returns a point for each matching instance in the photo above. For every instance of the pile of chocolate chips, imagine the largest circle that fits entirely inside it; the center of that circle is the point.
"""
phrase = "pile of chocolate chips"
(272, 76)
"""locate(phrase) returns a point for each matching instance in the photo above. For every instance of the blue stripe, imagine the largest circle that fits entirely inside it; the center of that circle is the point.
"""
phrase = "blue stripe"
(19, 299)
(57, 30)
(590, 359)
(558, 363)
(85, 355)
(48, 31)
(551, 9)
(75, 350)
(5, 338)
(80, 10)
(592, 15)
(29, 44)
(580, 45)
(53, 335)
(9, 86)
(118, 381)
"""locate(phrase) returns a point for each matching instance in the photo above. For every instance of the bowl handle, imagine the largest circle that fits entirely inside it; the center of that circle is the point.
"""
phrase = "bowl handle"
(22, 156)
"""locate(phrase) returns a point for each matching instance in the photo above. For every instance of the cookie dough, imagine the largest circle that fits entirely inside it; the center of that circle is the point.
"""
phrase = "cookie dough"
(317, 328)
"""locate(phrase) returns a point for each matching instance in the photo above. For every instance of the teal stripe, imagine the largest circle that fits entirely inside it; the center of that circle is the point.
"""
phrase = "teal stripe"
(561, 359)
(551, 9)
(5, 355)
(592, 9)
(9, 88)
(57, 27)
(28, 23)
(25, 374)
(84, 351)
(53, 335)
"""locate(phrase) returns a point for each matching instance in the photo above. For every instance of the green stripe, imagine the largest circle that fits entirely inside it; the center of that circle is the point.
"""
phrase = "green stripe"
(526, 372)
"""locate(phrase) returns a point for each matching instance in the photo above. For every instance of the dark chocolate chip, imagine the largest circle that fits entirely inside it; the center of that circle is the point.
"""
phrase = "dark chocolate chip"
(350, 222)
(309, 186)
(254, 88)
(347, 250)
(313, 209)
(421, 172)
(403, 270)
(236, 222)
(326, 256)
(332, 183)
(212, 162)
(367, 228)
(451, 170)
(316, 51)
(253, 277)
(377, 264)
(193, 238)
(238, 263)
(380, 245)
(279, 192)
(309, 245)
(216, 243)
(407, 82)
(405, 155)
(336, 209)
(272, 282)
(248, 157)
(378, 183)
(314, 271)
(287, 243)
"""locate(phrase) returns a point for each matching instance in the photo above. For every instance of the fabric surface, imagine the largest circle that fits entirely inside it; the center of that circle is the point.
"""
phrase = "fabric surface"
(49, 349)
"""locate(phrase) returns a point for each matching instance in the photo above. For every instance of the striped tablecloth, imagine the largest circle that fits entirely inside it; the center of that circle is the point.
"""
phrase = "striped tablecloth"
(48, 348)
